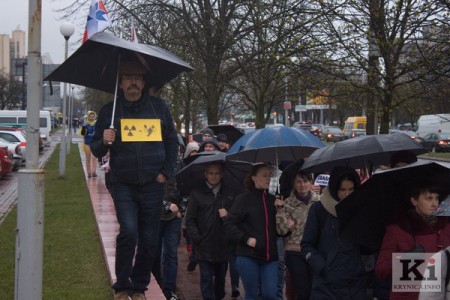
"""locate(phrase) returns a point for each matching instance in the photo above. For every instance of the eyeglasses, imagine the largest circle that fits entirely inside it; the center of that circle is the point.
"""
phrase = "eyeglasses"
(132, 78)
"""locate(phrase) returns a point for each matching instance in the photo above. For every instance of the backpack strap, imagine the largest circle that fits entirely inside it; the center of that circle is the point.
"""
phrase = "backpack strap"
(447, 276)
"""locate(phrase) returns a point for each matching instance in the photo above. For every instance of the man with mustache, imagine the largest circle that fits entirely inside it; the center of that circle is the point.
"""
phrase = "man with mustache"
(138, 176)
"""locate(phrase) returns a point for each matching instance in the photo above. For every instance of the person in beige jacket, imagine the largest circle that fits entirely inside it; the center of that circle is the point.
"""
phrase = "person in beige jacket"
(291, 221)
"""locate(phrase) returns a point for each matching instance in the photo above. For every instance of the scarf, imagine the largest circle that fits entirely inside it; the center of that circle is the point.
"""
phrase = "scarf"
(430, 220)
(328, 202)
(304, 199)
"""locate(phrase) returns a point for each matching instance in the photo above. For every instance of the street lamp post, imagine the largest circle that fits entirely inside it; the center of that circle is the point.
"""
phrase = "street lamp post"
(29, 231)
(287, 103)
(66, 29)
(69, 118)
(23, 98)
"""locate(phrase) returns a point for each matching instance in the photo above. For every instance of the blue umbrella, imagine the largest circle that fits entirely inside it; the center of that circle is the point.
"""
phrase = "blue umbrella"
(274, 144)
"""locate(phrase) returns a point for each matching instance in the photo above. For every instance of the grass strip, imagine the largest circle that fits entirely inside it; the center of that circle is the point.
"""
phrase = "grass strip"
(74, 267)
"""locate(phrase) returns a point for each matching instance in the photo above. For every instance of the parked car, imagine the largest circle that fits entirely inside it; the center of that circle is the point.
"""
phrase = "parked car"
(20, 117)
(15, 150)
(436, 142)
(332, 134)
(21, 127)
(17, 137)
(351, 133)
(6, 160)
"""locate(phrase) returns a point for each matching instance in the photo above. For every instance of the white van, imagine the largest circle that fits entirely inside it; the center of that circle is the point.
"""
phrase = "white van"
(433, 124)
(12, 117)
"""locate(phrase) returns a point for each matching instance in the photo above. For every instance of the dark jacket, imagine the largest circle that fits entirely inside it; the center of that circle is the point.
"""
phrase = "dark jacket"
(338, 271)
(408, 232)
(204, 225)
(172, 195)
(137, 162)
(247, 218)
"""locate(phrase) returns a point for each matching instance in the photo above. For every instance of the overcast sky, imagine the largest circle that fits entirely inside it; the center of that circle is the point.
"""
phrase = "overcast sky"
(15, 13)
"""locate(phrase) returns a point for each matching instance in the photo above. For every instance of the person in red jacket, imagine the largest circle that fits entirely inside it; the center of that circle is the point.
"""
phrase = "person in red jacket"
(418, 230)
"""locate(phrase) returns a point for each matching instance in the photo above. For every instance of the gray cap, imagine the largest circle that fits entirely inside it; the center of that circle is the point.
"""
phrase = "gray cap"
(207, 131)
(211, 141)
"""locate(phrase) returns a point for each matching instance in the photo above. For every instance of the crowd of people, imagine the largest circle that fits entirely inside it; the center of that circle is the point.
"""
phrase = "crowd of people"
(279, 248)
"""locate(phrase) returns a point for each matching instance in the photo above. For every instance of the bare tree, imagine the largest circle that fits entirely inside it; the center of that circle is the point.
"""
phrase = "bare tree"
(380, 38)
(94, 99)
(10, 90)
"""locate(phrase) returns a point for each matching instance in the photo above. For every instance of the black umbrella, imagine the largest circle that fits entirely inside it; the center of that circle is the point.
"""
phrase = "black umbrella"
(364, 214)
(95, 63)
(189, 159)
(193, 176)
(361, 152)
(232, 133)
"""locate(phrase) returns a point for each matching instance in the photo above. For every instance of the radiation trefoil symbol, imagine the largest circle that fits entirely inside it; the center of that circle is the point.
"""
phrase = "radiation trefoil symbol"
(130, 130)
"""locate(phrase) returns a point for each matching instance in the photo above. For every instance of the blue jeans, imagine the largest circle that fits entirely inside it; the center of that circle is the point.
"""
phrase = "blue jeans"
(258, 278)
(166, 263)
(212, 279)
(138, 209)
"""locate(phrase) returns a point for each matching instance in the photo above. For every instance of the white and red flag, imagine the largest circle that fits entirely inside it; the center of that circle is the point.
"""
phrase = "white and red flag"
(97, 19)
(134, 38)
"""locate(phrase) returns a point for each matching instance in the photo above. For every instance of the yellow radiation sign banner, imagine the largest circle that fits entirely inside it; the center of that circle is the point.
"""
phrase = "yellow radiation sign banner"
(141, 130)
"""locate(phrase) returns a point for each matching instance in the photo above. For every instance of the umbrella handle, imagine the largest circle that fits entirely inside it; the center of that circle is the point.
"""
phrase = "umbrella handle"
(115, 97)
(111, 127)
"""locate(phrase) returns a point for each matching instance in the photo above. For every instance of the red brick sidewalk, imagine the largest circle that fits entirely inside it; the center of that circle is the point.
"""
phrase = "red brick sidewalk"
(188, 283)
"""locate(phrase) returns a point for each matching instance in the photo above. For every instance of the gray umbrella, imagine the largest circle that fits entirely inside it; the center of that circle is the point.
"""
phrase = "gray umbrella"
(95, 63)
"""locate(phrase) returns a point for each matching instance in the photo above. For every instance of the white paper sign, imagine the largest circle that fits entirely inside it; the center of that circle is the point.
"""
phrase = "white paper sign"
(322, 180)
